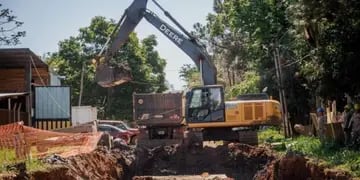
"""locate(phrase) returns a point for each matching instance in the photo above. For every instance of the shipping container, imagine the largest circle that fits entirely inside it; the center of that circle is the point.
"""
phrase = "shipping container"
(52, 102)
(52, 108)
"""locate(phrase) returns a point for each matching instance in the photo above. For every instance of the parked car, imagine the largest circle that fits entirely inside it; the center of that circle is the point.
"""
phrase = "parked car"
(132, 132)
(120, 124)
(116, 132)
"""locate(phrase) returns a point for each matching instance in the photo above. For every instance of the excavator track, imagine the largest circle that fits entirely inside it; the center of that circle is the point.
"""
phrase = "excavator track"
(248, 137)
(244, 136)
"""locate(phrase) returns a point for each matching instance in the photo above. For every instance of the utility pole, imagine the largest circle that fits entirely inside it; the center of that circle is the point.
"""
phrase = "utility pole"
(286, 124)
(81, 83)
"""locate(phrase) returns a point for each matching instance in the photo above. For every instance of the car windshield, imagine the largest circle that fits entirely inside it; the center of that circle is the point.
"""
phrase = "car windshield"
(110, 128)
(126, 126)
(120, 124)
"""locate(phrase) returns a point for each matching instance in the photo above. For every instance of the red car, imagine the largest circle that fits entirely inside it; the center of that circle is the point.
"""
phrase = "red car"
(116, 132)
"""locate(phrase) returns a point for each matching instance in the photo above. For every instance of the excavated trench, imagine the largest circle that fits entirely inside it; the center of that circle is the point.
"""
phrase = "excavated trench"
(232, 161)
(235, 161)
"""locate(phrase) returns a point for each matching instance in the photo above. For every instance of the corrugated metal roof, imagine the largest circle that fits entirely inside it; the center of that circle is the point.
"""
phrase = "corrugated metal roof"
(5, 95)
(18, 57)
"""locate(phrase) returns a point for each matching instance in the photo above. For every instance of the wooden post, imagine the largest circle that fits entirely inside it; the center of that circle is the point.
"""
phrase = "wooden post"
(9, 110)
(28, 77)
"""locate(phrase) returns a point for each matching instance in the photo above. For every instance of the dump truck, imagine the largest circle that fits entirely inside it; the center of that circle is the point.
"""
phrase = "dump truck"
(207, 115)
(159, 117)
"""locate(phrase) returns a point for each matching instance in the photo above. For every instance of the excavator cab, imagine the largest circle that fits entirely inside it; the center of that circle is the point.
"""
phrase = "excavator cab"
(205, 104)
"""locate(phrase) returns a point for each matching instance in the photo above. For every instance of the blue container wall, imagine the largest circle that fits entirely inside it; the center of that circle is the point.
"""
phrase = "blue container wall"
(52, 102)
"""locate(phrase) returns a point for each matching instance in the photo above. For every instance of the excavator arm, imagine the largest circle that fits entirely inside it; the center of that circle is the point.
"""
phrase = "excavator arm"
(132, 16)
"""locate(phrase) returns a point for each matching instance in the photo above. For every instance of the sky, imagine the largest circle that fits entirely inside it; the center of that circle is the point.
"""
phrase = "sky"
(47, 22)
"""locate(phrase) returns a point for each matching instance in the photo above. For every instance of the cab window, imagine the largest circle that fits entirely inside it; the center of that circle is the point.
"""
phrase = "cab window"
(215, 98)
(196, 99)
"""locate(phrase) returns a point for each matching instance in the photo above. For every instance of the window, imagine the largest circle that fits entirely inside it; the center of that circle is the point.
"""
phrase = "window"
(215, 98)
(206, 104)
(196, 99)
(103, 128)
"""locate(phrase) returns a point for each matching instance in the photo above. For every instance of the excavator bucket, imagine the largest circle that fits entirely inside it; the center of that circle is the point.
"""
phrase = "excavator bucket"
(109, 76)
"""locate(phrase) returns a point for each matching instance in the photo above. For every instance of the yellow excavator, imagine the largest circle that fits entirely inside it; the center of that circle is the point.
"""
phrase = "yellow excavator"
(207, 114)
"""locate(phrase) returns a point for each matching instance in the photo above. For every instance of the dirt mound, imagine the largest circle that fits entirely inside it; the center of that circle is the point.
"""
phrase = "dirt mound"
(237, 161)
(99, 164)
(296, 167)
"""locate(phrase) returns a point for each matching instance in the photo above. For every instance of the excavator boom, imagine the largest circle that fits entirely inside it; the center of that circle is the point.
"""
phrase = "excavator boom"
(107, 76)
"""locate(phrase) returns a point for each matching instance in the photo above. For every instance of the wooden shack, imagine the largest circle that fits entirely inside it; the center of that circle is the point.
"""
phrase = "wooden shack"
(20, 68)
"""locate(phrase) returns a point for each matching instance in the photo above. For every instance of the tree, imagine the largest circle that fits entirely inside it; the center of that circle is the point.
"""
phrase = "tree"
(250, 84)
(190, 74)
(8, 26)
(245, 37)
(147, 68)
(332, 31)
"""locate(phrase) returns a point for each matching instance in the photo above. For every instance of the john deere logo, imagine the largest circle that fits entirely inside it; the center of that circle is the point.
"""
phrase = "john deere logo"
(140, 101)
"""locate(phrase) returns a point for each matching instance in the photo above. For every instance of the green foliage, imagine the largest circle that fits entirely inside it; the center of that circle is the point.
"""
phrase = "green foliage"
(248, 85)
(329, 153)
(270, 135)
(147, 68)
(190, 74)
(333, 155)
(334, 37)
(316, 42)
(8, 157)
(8, 25)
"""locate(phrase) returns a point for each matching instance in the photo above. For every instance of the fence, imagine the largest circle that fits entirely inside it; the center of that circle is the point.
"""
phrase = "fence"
(19, 143)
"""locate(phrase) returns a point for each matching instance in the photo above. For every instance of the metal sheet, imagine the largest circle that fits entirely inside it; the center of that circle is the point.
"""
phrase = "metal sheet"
(6, 95)
(83, 114)
(52, 102)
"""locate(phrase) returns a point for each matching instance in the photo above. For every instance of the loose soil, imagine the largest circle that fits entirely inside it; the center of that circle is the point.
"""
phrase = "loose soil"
(235, 161)
(231, 161)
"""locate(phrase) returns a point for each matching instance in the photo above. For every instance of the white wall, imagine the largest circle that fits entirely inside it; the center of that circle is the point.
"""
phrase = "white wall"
(83, 114)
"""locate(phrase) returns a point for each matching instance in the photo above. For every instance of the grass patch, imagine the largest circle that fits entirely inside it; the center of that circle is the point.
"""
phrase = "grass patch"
(331, 154)
(270, 135)
(8, 158)
(35, 165)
